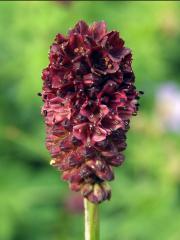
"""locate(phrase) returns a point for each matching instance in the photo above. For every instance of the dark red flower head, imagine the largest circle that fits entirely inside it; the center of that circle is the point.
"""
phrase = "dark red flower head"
(89, 97)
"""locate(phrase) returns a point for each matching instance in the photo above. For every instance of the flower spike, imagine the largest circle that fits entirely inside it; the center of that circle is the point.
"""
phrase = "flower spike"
(89, 97)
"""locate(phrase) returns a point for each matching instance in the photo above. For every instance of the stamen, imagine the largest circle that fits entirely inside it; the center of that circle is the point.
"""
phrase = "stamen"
(98, 163)
(52, 162)
(81, 49)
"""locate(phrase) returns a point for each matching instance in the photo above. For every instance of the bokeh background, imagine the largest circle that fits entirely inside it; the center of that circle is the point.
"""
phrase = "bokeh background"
(34, 203)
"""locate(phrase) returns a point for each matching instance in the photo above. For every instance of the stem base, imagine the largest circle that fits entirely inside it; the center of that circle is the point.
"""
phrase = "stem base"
(91, 220)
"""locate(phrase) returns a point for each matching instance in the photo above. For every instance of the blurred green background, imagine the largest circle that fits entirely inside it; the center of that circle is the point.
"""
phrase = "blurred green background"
(34, 203)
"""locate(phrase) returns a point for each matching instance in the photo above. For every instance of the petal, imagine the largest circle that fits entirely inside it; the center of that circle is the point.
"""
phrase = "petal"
(54, 150)
(97, 195)
(85, 171)
(76, 142)
(76, 41)
(61, 114)
(104, 110)
(103, 145)
(72, 175)
(107, 190)
(120, 97)
(98, 30)
(88, 79)
(56, 80)
(119, 100)
(101, 169)
(56, 100)
(81, 27)
(99, 134)
(81, 67)
(97, 60)
(66, 144)
(117, 160)
(94, 112)
(115, 46)
(60, 38)
(67, 124)
(125, 113)
(89, 152)
(70, 161)
(112, 122)
(80, 131)
(55, 52)
(107, 151)
(45, 74)
(49, 118)
(112, 40)
(88, 108)
(58, 131)
(118, 135)
(86, 189)
(75, 186)
(121, 146)
(118, 56)
(108, 89)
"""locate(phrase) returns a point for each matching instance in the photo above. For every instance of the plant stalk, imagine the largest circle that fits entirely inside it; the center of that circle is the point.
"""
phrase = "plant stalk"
(91, 220)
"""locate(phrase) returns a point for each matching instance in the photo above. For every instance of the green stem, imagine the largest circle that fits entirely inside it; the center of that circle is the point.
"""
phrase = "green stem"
(91, 220)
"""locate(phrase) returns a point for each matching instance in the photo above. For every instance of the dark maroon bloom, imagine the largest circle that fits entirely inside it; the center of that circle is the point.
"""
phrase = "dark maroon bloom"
(89, 97)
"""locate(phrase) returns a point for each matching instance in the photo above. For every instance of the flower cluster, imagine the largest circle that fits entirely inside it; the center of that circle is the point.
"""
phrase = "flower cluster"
(89, 97)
